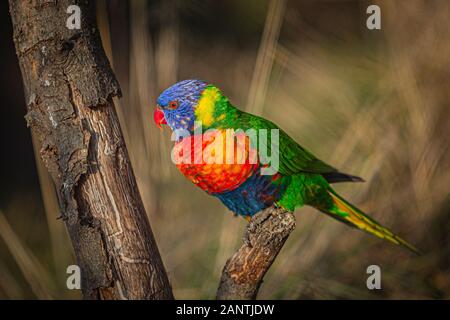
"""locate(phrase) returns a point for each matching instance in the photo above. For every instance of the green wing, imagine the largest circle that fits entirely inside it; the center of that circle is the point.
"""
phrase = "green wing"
(293, 158)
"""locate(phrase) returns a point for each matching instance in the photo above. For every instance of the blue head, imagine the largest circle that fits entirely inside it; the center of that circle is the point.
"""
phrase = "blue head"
(176, 105)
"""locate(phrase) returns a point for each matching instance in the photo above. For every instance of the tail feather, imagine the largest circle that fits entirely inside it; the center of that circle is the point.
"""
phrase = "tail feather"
(352, 216)
(336, 176)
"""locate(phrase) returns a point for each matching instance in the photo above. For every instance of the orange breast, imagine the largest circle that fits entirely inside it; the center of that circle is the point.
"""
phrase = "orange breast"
(213, 162)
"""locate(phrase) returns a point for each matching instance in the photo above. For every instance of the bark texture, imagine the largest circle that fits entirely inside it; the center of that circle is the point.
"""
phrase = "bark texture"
(263, 239)
(69, 87)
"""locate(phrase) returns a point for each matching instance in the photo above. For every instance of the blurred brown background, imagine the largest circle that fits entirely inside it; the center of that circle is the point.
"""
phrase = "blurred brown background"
(372, 103)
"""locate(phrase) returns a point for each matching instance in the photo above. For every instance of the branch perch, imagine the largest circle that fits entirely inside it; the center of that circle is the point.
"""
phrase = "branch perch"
(264, 237)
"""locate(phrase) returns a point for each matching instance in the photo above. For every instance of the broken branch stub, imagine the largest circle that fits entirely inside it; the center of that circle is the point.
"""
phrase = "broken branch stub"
(264, 237)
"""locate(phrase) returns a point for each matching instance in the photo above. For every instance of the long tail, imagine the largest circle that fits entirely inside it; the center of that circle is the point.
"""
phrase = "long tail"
(349, 214)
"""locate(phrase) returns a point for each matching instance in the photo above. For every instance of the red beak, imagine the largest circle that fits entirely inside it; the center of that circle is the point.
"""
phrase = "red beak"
(158, 117)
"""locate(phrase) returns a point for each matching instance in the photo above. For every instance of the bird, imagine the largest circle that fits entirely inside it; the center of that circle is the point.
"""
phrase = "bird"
(196, 111)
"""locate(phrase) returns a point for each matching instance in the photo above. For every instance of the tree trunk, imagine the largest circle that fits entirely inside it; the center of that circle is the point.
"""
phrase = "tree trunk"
(263, 239)
(69, 87)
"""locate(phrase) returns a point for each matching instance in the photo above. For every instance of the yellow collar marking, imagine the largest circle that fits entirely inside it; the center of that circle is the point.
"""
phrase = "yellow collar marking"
(206, 105)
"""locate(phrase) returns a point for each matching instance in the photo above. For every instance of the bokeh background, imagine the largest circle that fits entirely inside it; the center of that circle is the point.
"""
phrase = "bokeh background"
(371, 103)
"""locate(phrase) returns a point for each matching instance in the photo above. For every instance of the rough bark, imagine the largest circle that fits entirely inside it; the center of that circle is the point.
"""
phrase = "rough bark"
(263, 239)
(69, 87)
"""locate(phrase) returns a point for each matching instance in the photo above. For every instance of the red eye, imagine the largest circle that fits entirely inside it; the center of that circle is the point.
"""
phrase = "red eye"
(173, 105)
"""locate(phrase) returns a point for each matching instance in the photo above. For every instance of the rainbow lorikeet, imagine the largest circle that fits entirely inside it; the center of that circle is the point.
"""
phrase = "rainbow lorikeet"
(300, 178)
